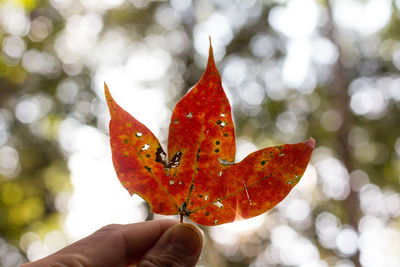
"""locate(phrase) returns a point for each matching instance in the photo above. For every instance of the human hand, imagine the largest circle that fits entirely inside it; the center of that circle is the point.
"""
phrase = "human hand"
(147, 244)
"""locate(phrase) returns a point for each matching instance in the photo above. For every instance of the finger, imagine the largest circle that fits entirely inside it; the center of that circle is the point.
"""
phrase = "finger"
(180, 245)
(112, 245)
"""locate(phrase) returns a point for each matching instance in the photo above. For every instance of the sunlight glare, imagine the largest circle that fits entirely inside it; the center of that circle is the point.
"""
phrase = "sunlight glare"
(366, 17)
(98, 197)
(308, 182)
(297, 20)
(230, 233)
(244, 147)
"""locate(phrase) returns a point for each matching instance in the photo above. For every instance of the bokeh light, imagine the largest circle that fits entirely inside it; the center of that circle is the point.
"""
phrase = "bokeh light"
(290, 68)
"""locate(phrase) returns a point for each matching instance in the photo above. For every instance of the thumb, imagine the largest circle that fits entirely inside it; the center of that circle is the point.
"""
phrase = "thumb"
(180, 245)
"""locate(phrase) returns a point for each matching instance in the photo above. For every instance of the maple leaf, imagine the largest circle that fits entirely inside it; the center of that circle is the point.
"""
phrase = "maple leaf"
(199, 179)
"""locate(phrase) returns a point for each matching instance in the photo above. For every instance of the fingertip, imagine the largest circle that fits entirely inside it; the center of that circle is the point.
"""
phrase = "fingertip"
(164, 224)
(180, 245)
(187, 236)
(192, 227)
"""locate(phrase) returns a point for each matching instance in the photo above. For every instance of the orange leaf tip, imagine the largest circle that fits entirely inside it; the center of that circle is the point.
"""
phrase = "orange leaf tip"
(310, 142)
(110, 101)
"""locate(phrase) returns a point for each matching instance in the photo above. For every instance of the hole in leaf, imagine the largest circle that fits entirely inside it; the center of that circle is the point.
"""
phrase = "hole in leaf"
(218, 204)
(221, 123)
(189, 115)
(161, 156)
(263, 162)
(281, 154)
(222, 115)
(148, 155)
(225, 162)
(207, 213)
(215, 222)
(200, 196)
(138, 134)
(216, 150)
(180, 183)
(206, 197)
(145, 147)
(295, 180)
(175, 160)
(220, 173)
(147, 168)
(225, 134)
(217, 142)
(171, 182)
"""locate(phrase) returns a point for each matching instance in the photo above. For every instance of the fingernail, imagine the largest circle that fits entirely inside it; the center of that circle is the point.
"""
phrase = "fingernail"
(185, 238)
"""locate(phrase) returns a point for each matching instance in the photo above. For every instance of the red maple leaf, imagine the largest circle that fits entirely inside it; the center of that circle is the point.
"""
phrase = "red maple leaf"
(199, 179)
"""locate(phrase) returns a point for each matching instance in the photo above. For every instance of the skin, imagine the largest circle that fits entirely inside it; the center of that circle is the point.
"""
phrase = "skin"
(147, 244)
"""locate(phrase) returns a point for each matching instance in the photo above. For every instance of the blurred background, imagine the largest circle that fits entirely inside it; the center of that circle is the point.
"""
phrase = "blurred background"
(291, 69)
